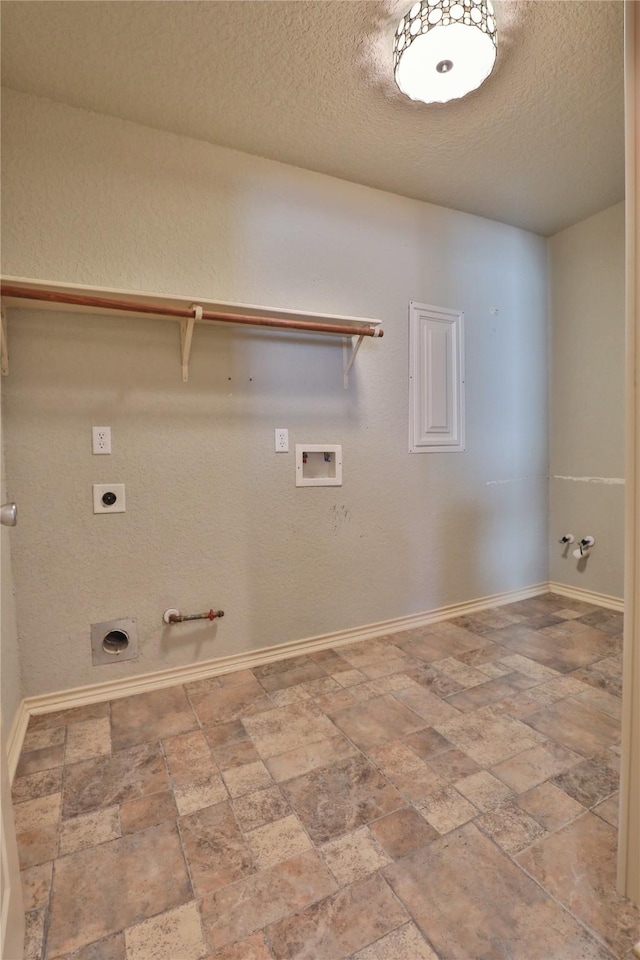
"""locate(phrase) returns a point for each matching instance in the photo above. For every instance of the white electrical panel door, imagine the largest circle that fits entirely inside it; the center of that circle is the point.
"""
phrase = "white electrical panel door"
(436, 379)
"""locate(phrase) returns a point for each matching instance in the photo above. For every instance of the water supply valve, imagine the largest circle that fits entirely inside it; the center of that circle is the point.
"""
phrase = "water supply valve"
(584, 547)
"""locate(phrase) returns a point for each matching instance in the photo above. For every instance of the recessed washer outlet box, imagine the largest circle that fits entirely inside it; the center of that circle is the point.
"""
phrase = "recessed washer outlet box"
(318, 465)
(114, 641)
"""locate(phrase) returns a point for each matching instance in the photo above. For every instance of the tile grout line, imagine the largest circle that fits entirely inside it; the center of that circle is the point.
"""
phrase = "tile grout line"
(47, 917)
(410, 920)
(177, 822)
(314, 846)
(407, 802)
(410, 915)
(242, 832)
(510, 857)
(548, 893)
(370, 760)
(548, 833)
(598, 937)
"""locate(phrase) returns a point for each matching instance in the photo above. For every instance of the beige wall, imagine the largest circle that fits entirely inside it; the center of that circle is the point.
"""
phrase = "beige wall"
(213, 515)
(587, 399)
(10, 679)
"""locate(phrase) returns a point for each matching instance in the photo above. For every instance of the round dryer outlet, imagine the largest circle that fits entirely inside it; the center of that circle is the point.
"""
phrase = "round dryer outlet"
(114, 641)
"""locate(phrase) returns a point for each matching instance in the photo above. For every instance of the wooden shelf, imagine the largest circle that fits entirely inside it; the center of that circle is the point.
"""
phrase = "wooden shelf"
(20, 292)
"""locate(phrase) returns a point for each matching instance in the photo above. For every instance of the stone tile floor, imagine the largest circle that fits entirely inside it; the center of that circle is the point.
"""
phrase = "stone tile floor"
(449, 791)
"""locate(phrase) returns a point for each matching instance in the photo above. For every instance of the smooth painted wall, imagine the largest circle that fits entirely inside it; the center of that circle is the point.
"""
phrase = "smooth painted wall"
(587, 400)
(213, 514)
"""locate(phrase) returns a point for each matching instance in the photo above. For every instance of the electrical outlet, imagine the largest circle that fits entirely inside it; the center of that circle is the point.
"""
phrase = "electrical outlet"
(108, 498)
(282, 440)
(101, 437)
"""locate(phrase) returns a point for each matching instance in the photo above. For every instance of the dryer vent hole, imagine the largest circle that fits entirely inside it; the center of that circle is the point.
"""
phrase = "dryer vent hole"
(115, 642)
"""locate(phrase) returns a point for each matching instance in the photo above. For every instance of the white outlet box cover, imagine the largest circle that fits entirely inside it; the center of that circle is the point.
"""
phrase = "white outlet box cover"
(323, 467)
(99, 490)
(282, 440)
(101, 440)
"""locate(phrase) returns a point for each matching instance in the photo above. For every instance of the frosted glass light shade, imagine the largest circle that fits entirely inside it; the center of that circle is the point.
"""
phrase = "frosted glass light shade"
(444, 49)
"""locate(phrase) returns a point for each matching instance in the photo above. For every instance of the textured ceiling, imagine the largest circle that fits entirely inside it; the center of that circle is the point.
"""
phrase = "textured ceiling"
(309, 83)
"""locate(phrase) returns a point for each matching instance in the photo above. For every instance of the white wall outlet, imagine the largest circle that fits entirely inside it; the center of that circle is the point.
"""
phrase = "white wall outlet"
(108, 498)
(101, 439)
(282, 440)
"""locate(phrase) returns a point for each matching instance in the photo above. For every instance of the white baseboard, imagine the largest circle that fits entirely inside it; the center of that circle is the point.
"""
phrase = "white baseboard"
(16, 737)
(588, 596)
(116, 689)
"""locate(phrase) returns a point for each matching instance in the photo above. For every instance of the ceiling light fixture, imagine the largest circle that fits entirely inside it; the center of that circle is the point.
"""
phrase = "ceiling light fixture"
(444, 49)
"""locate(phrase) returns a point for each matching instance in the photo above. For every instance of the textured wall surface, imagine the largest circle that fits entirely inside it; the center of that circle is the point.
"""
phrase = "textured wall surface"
(213, 515)
(587, 399)
(10, 679)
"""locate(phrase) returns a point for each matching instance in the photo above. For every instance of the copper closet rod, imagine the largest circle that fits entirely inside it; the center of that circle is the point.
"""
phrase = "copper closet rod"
(30, 293)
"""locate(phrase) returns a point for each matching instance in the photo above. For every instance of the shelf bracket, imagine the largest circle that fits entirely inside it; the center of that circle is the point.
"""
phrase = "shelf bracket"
(186, 336)
(349, 354)
(4, 347)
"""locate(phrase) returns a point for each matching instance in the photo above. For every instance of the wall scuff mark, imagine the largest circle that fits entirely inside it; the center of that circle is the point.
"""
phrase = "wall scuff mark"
(607, 480)
(611, 481)
(491, 483)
